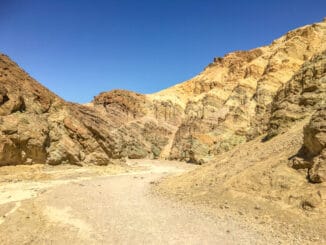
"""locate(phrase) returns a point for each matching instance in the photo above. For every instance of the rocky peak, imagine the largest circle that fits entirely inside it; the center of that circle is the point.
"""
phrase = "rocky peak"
(20, 92)
(128, 103)
(240, 87)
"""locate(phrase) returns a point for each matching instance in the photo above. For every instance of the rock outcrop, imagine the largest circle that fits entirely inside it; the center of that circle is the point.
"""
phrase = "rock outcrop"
(304, 98)
(39, 127)
(235, 99)
(277, 173)
(301, 96)
(315, 143)
(144, 127)
(230, 102)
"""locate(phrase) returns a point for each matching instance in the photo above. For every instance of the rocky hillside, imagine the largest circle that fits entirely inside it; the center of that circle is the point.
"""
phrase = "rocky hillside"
(304, 97)
(146, 126)
(230, 102)
(278, 176)
(36, 126)
(237, 98)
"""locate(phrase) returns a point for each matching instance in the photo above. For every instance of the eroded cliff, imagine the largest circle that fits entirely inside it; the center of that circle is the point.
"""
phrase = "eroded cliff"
(235, 99)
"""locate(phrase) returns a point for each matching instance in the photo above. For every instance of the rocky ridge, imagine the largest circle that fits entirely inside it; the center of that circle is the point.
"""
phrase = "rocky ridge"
(304, 97)
(284, 169)
(234, 100)
(37, 126)
(229, 103)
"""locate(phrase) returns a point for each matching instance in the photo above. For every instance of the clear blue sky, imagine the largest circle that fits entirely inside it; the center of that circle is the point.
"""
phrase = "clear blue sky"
(80, 48)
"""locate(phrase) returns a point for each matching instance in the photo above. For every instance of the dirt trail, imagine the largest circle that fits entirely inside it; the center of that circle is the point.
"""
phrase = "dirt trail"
(118, 209)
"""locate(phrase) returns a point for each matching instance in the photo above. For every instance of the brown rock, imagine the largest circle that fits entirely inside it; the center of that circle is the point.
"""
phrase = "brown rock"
(227, 104)
(300, 97)
(315, 142)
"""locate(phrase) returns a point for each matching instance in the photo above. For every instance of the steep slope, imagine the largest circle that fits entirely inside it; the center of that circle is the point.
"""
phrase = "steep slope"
(280, 174)
(227, 104)
(36, 126)
(146, 126)
(304, 96)
(230, 101)
(315, 146)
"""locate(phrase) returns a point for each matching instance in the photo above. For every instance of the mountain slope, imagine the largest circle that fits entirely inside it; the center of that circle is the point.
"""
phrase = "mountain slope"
(280, 174)
(275, 168)
(39, 127)
(229, 103)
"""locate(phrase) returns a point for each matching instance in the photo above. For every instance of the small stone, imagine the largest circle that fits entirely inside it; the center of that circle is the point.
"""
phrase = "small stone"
(257, 207)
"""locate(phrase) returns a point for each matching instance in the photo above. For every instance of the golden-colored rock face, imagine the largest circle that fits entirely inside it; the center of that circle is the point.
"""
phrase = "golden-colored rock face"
(315, 146)
(283, 170)
(229, 103)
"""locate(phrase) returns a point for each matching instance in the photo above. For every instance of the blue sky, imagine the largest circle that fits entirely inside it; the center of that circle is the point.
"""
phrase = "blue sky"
(80, 48)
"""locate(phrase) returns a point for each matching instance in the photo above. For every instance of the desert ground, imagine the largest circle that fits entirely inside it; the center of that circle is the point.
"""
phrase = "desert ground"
(121, 205)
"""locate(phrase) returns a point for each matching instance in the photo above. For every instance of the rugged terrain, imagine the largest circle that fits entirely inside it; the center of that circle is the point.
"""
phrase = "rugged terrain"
(39, 127)
(255, 119)
(279, 175)
(229, 103)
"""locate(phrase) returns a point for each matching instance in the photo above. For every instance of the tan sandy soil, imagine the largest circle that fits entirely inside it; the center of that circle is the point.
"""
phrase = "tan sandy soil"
(113, 205)
(255, 184)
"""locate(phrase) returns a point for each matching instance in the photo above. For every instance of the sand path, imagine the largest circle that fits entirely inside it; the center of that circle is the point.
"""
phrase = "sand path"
(118, 209)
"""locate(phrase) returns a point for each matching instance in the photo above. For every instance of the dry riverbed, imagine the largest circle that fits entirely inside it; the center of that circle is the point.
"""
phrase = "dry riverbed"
(112, 205)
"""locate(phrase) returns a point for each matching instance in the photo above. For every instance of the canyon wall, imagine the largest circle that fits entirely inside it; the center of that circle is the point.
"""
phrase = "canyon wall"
(235, 99)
